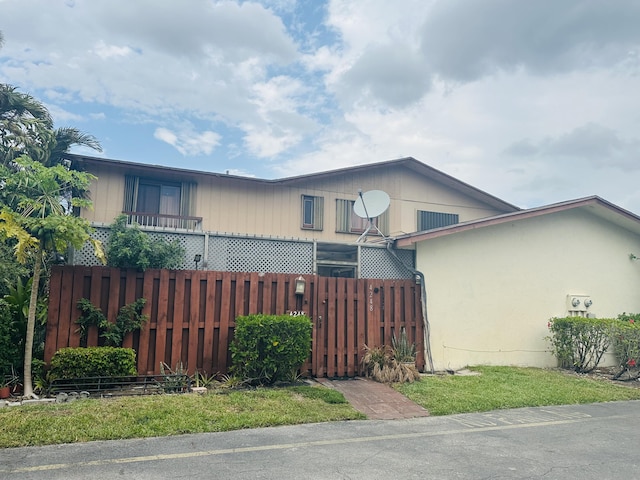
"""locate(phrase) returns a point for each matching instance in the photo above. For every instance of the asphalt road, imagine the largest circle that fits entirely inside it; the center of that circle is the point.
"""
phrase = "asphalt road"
(598, 441)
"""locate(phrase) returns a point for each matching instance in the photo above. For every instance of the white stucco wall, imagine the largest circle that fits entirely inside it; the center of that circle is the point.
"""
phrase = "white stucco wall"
(491, 291)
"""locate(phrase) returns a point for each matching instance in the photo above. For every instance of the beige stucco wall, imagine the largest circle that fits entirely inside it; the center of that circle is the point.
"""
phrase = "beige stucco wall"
(246, 206)
(491, 291)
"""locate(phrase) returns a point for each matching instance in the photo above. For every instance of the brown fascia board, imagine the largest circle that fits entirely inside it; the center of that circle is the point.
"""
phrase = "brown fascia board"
(154, 170)
(594, 204)
(408, 162)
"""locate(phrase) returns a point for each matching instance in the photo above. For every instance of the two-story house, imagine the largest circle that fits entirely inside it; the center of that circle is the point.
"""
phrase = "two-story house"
(494, 274)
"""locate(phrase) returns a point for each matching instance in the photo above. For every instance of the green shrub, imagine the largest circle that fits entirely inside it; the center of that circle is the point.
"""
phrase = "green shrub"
(81, 362)
(130, 247)
(626, 342)
(270, 348)
(18, 298)
(10, 350)
(579, 342)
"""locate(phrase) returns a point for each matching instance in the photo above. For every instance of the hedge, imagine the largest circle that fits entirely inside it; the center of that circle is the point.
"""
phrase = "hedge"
(270, 348)
(579, 342)
(81, 362)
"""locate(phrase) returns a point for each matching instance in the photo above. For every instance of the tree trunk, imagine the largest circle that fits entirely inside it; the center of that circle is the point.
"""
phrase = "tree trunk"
(31, 326)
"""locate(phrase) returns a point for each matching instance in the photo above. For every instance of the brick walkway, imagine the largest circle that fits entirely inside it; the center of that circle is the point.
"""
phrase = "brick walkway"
(376, 400)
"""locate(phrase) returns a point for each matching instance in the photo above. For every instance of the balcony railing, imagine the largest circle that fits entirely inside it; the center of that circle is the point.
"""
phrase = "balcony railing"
(165, 221)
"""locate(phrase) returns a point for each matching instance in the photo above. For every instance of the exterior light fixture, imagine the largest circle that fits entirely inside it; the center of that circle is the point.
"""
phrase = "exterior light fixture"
(197, 259)
(300, 284)
(58, 259)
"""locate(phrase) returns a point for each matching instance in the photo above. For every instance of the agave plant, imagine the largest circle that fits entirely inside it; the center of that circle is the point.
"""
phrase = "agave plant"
(403, 350)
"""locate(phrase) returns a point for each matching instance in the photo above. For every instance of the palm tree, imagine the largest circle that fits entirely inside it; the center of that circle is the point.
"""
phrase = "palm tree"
(67, 137)
(26, 127)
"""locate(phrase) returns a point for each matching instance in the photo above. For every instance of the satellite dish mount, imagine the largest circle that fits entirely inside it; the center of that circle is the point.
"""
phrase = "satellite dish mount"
(370, 205)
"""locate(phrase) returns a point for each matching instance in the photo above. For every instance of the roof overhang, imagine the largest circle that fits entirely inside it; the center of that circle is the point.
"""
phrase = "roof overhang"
(407, 162)
(594, 205)
(419, 168)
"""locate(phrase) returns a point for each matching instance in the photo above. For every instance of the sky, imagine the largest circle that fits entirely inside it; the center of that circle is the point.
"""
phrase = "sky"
(534, 102)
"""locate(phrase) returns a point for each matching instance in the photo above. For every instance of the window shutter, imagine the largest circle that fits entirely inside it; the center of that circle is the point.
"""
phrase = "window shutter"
(130, 193)
(383, 222)
(187, 199)
(343, 216)
(431, 220)
(318, 213)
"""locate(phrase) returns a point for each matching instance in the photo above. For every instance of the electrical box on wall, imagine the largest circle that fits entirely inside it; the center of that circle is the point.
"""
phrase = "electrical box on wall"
(578, 305)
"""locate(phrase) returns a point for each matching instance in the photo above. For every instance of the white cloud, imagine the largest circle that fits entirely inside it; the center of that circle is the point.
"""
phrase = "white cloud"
(508, 96)
(266, 143)
(106, 52)
(60, 115)
(166, 136)
(189, 143)
(391, 74)
(464, 41)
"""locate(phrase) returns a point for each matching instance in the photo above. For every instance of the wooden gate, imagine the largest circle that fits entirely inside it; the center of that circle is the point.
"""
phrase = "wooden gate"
(192, 314)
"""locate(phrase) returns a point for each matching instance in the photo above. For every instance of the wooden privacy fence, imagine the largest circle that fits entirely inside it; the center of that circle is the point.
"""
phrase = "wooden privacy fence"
(192, 314)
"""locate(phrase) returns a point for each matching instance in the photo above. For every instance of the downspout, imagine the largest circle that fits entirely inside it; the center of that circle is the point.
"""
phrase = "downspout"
(426, 330)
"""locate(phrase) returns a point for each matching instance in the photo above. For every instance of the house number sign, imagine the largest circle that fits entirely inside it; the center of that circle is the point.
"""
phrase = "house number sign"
(371, 298)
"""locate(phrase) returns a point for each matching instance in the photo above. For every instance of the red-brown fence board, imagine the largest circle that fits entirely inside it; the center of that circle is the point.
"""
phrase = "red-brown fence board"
(211, 300)
(192, 314)
(53, 315)
(130, 295)
(194, 320)
(144, 337)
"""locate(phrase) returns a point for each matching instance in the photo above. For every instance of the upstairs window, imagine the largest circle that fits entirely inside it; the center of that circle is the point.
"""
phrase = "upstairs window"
(312, 212)
(348, 222)
(155, 197)
(430, 220)
(160, 203)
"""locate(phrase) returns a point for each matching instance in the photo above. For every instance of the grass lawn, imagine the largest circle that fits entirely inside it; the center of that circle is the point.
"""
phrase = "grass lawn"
(161, 415)
(509, 387)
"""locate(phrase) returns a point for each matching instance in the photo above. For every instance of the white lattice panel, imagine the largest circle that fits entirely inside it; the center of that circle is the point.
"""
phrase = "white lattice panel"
(86, 256)
(192, 244)
(379, 263)
(236, 254)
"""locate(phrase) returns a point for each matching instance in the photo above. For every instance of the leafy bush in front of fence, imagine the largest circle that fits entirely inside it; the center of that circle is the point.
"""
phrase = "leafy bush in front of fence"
(129, 319)
(130, 247)
(579, 342)
(626, 343)
(270, 348)
(81, 362)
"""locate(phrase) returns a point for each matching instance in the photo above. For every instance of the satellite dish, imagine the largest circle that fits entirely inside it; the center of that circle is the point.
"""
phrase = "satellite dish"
(371, 204)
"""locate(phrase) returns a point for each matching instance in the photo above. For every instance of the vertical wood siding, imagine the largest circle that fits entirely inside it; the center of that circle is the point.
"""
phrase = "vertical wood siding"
(192, 314)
